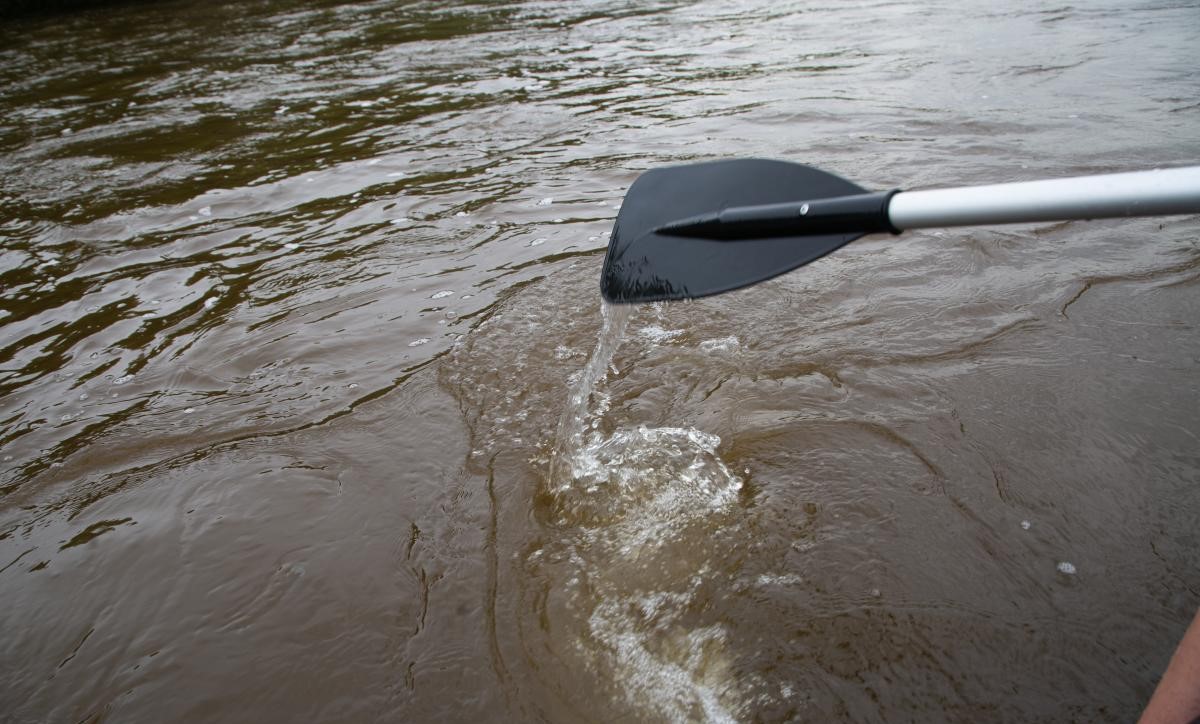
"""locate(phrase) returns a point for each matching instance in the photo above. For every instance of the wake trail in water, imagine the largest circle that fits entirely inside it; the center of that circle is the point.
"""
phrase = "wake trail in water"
(639, 507)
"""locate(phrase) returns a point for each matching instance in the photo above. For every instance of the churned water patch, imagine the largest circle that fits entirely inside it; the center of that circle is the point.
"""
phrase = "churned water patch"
(721, 344)
(641, 504)
(658, 334)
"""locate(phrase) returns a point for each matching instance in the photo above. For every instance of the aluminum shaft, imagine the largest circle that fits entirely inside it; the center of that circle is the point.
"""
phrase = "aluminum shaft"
(1141, 193)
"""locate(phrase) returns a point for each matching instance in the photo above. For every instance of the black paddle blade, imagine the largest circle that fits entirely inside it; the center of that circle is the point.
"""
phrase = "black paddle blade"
(645, 266)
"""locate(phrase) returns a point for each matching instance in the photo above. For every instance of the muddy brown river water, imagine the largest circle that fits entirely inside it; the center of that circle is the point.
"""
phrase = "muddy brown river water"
(297, 420)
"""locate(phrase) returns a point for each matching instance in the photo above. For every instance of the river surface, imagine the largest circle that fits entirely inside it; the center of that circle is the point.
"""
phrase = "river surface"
(297, 419)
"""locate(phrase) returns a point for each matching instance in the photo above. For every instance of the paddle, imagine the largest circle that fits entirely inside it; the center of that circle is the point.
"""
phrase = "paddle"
(706, 228)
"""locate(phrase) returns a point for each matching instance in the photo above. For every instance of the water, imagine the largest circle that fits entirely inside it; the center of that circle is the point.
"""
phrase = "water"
(297, 295)
(632, 512)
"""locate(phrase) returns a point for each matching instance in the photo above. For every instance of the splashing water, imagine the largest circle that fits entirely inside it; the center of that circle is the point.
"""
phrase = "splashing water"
(575, 417)
(640, 505)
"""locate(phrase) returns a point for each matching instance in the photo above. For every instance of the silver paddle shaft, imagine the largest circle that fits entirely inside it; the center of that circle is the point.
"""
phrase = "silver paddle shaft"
(1141, 193)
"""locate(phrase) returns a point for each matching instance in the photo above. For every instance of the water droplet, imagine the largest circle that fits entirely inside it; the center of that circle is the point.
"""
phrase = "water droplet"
(418, 342)
(546, 201)
(291, 246)
(1067, 568)
(538, 242)
(401, 220)
(462, 213)
(210, 302)
(189, 410)
(206, 211)
(1025, 525)
(83, 395)
(122, 379)
(442, 294)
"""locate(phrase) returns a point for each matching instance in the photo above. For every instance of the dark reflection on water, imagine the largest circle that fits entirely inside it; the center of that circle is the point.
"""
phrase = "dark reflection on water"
(294, 295)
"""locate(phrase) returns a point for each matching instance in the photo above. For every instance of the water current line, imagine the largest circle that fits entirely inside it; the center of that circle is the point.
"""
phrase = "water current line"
(573, 423)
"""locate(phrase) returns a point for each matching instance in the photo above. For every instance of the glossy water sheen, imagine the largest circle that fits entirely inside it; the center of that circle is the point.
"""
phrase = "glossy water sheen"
(296, 294)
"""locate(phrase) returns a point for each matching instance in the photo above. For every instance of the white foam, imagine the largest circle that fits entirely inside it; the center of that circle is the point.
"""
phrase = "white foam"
(418, 342)
(721, 344)
(442, 294)
(669, 685)
(768, 580)
(1066, 567)
(546, 201)
(656, 333)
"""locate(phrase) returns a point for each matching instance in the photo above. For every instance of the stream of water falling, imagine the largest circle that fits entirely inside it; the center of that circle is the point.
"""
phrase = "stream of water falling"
(574, 421)
(638, 506)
